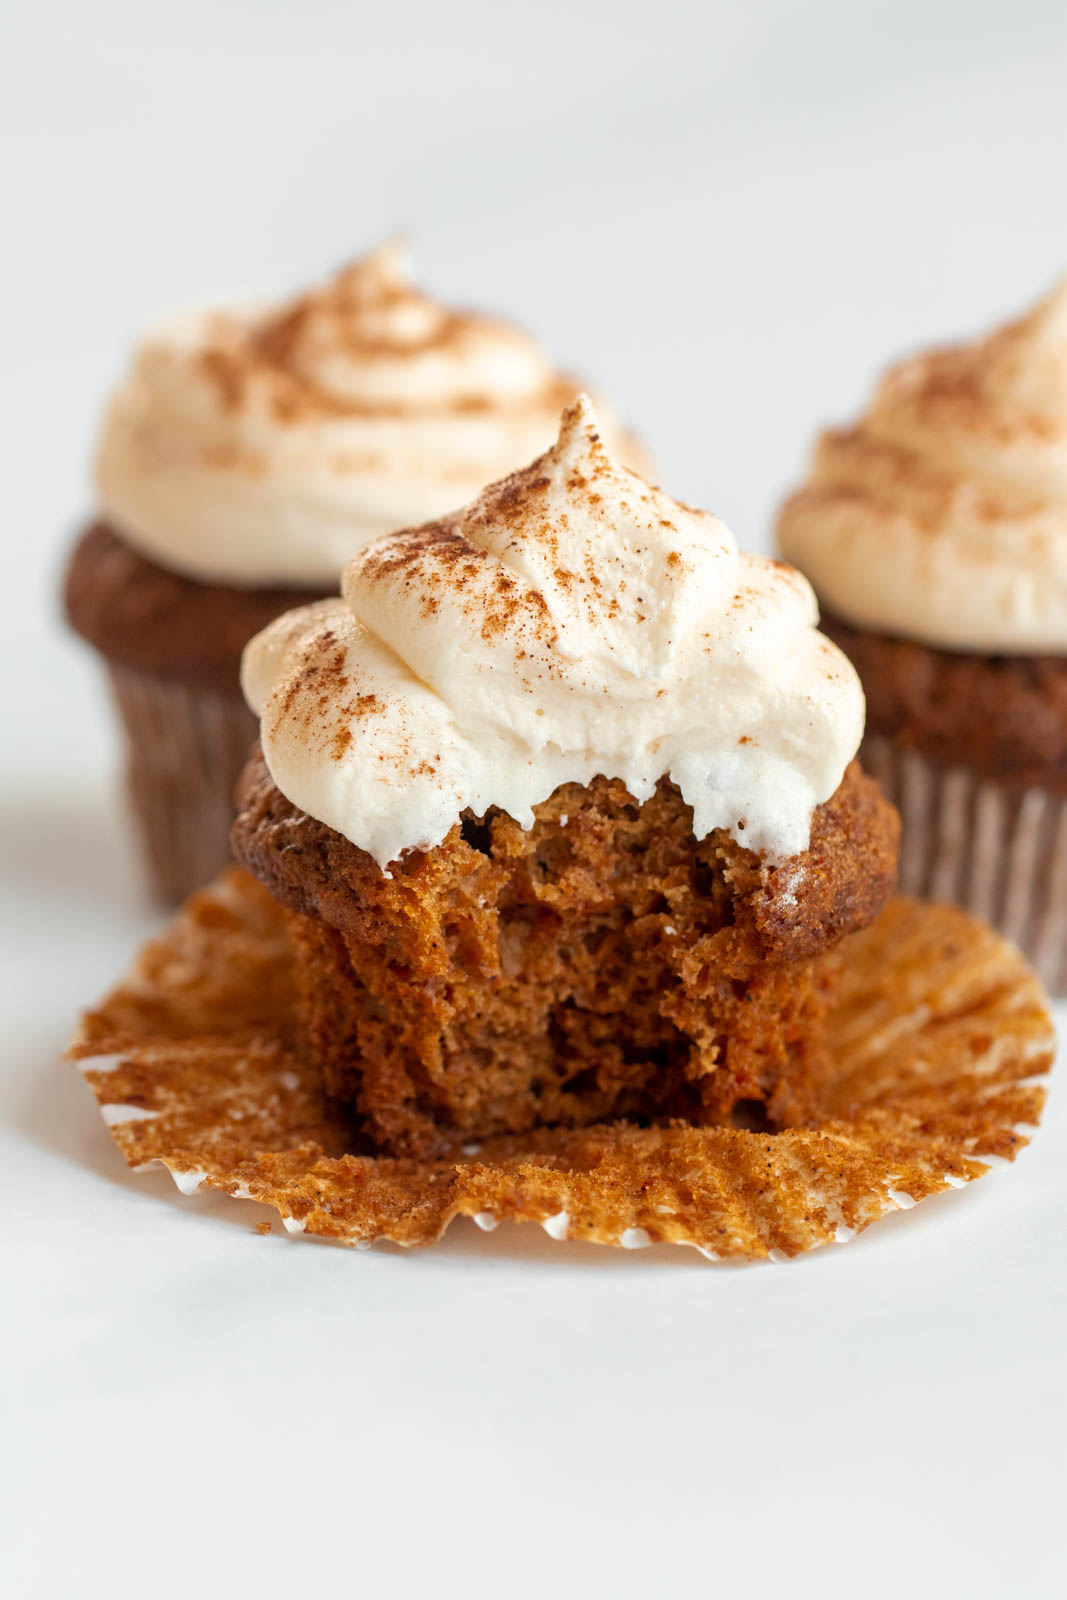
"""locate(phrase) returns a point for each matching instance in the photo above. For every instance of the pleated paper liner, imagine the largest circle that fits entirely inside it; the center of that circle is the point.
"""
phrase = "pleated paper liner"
(995, 849)
(186, 747)
(940, 1040)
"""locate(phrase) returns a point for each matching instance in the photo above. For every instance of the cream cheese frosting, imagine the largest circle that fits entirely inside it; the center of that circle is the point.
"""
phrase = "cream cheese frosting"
(265, 447)
(571, 621)
(942, 515)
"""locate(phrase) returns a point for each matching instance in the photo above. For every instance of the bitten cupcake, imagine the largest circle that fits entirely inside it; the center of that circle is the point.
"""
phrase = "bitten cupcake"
(244, 458)
(935, 534)
(561, 796)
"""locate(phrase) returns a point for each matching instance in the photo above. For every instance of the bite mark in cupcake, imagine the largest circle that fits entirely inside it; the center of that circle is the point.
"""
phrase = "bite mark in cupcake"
(527, 741)
(600, 1017)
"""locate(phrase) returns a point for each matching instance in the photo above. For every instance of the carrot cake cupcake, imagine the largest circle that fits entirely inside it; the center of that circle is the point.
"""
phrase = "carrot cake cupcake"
(562, 799)
(935, 534)
(244, 458)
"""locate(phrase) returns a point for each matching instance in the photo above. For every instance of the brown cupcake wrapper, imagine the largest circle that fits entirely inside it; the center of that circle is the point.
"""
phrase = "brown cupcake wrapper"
(939, 1041)
(185, 750)
(997, 850)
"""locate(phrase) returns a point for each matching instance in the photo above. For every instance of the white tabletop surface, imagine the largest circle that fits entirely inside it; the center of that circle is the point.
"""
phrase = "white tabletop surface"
(731, 215)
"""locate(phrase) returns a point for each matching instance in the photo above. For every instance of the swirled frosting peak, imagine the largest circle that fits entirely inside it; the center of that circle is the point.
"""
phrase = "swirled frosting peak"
(1023, 367)
(942, 515)
(266, 447)
(571, 621)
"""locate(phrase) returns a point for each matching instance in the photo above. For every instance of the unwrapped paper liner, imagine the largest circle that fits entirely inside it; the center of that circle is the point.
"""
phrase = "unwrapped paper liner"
(939, 1040)
(997, 850)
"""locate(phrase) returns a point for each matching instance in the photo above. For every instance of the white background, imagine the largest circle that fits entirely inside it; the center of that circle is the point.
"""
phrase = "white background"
(730, 216)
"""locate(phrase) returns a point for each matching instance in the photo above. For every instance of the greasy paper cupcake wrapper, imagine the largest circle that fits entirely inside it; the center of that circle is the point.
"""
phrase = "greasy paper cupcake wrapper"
(972, 841)
(939, 1040)
(186, 748)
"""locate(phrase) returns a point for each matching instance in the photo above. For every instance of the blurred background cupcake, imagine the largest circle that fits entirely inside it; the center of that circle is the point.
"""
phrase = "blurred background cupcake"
(246, 455)
(935, 533)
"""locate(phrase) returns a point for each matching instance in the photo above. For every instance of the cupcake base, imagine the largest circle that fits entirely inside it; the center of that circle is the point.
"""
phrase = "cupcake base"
(186, 747)
(939, 1038)
(997, 850)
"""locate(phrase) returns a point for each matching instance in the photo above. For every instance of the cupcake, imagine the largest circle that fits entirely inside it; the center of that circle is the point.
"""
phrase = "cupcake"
(245, 457)
(935, 534)
(561, 799)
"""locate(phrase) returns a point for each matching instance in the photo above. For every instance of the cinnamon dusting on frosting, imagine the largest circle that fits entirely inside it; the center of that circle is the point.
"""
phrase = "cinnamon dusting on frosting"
(942, 514)
(267, 447)
(571, 621)
(328, 351)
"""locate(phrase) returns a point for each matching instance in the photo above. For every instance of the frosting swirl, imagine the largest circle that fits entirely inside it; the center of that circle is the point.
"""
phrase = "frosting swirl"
(264, 448)
(571, 621)
(942, 515)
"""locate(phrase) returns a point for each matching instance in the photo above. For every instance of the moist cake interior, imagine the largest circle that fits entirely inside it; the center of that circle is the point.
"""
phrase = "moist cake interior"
(604, 964)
